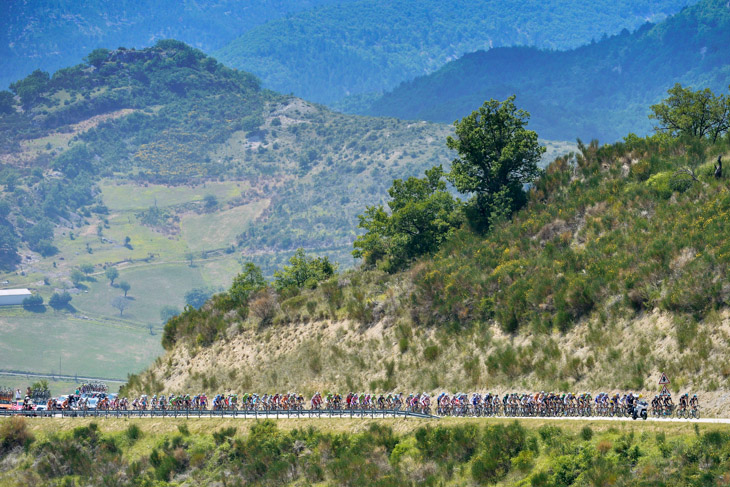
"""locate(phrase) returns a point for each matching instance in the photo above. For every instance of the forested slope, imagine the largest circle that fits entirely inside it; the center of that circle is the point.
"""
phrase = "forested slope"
(601, 90)
(361, 48)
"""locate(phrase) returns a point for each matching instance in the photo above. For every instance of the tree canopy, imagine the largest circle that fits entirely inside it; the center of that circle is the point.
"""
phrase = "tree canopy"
(422, 215)
(687, 112)
(304, 271)
(124, 286)
(121, 303)
(197, 297)
(246, 283)
(111, 273)
(60, 300)
(497, 157)
(7, 102)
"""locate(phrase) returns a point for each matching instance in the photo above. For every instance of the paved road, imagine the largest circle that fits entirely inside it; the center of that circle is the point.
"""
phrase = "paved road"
(602, 418)
(158, 413)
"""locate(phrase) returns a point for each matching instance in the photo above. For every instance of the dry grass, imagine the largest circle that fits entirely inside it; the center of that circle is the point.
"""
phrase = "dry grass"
(342, 356)
(41, 428)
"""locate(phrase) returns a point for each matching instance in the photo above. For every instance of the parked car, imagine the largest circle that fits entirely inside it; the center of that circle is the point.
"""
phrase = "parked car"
(18, 406)
(6, 398)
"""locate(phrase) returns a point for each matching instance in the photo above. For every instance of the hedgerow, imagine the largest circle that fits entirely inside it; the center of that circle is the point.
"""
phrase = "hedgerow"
(510, 453)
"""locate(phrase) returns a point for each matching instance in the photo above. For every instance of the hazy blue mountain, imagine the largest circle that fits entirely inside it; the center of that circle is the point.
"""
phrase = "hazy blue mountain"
(349, 49)
(48, 34)
(600, 90)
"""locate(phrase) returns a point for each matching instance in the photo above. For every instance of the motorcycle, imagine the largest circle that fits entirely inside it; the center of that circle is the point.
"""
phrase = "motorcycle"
(640, 410)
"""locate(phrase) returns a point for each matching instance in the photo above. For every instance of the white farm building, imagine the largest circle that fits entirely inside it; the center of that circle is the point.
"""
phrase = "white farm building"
(13, 296)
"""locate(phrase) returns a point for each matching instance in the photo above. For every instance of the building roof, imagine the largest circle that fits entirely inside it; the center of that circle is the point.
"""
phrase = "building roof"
(15, 292)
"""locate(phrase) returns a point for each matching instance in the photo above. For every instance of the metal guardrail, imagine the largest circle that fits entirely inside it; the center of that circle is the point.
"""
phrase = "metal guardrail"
(209, 413)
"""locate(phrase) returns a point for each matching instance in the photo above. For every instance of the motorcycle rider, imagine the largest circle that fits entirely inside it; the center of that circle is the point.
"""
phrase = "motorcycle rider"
(631, 402)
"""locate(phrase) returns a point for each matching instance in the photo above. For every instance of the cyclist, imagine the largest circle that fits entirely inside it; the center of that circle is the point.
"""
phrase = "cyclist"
(683, 402)
(425, 403)
(668, 404)
(475, 400)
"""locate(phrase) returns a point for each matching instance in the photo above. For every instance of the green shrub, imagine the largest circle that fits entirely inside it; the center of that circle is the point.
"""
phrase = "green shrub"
(500, 445)
(431, 353)
(540, 479)
(686, 332)
(660, 184)
(33, 302)
(357, 307)
(524, 461)
(314, 361)
(680, 182)
(550, 435)
(133, 432)
(472, 368)
(641, 170)
(14, 433)
(223, 434)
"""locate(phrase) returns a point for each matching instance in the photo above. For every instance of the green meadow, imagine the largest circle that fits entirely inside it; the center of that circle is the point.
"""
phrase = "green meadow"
(92, 337)
(35, 342)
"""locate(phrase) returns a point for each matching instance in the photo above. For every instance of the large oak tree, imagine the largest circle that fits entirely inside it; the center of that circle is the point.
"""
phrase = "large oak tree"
(497, 157)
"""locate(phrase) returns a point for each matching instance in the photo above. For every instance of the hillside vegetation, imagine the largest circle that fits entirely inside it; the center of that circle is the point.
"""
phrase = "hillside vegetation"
(614, 270)
(598, 90)
(359, 49)
(171, 115)
(358, 452)
(161, 168)
(52, 35)
(166, 166)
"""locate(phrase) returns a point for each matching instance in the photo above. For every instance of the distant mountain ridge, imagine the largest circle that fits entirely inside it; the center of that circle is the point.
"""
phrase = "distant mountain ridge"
(50, 35)
(348, 50)
(600, 90)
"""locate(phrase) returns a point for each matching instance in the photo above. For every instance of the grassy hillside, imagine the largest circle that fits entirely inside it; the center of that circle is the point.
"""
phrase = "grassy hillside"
(172, 169)
(599, 90)
(362, 48)
(360, 452)
(157, 163)
(52, 35)
(614, 272)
